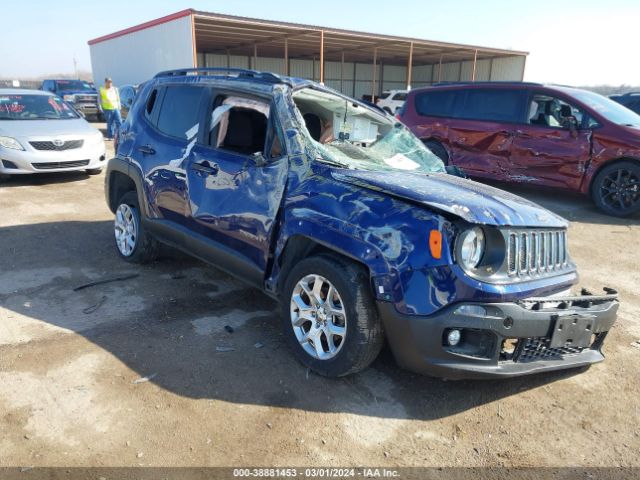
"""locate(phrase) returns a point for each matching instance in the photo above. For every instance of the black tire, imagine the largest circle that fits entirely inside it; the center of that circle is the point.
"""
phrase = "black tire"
(438, 150)
(145, 246)
(364, 335)
(94, 171)
(616, 189)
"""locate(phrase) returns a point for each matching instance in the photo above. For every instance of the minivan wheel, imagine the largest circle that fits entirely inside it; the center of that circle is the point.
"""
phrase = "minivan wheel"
(616, 189)
(329, 317)
(438, 150)
(134, 245)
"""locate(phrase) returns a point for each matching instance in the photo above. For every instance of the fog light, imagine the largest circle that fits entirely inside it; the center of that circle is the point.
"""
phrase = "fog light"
(453, 337)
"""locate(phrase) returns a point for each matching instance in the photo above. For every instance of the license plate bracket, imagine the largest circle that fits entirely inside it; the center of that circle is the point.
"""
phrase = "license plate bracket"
(572, 331)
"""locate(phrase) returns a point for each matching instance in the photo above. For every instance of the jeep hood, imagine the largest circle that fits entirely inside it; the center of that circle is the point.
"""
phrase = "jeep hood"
(469, 200)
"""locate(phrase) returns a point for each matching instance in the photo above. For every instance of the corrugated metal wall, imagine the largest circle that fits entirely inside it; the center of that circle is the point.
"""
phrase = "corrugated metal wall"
(357, 78)
(138, 56)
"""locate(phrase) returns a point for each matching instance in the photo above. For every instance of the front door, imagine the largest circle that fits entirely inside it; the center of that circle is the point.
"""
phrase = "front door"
(554, 147)
(236, 181)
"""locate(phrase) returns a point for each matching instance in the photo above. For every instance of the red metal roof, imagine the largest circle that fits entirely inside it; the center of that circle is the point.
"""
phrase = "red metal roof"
(143, 26)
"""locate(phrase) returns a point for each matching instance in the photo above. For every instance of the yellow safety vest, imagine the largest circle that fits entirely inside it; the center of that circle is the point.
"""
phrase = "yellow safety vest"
(106, 102)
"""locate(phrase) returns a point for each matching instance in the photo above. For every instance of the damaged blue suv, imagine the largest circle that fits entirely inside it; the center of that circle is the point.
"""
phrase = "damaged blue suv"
(339, 212)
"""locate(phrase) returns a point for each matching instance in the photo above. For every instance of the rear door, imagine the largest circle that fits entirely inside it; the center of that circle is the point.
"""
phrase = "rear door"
(162, 149)
(546, 150)
(236, 180)
(481, 135)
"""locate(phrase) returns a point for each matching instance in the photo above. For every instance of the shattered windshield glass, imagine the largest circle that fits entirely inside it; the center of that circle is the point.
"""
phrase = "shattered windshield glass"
(351, 135)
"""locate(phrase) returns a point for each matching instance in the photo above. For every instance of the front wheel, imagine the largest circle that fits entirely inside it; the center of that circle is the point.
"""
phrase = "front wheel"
(616, 189)
(329, 317)
(133, 243)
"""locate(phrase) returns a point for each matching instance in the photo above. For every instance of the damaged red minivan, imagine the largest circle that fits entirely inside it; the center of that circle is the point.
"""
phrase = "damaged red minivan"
(552, 136)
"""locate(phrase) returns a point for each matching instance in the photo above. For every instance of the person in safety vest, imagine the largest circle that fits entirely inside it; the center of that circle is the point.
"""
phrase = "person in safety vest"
(109, 105)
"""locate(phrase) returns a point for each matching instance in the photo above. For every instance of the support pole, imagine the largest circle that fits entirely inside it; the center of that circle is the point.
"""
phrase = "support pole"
(255, 56)
(228, 59)
(409, 66)
(286, 56)
(440, 69)
(322, 57)
(342, 72)
(373, 75)
(475, 62)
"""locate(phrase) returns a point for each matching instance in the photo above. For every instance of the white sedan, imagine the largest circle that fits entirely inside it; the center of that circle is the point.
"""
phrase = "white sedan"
(39, 132)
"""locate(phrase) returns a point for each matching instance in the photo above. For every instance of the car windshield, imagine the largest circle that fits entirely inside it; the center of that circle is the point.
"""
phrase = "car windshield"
(73, 85)
(351, 135)
(612, 111)
(34, 107)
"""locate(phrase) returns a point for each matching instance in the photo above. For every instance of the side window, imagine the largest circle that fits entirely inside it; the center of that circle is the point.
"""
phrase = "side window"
(436, 103)
(401, 97)
(493, 105)
(151, 107)
(239, 125)
(553, 112)
(179, 112)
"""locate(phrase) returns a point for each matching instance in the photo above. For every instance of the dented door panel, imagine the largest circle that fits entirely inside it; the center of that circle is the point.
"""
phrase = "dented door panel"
(551, 157)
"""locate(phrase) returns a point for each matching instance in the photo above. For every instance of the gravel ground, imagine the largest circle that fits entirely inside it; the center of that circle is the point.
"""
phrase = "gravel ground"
(128, 374)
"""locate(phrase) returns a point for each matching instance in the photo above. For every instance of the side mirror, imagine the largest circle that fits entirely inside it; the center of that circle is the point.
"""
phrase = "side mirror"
(259, 159)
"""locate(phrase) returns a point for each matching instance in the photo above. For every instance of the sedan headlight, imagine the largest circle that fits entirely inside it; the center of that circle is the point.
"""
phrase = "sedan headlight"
(471, 247)
(10, 142)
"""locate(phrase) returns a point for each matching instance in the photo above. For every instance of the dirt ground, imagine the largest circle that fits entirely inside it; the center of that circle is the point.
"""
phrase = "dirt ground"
(138, 381)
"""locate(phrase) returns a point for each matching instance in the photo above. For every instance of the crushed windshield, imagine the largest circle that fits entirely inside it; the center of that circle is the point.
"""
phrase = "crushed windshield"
(34, 107)
(612, 111)
(351, 135)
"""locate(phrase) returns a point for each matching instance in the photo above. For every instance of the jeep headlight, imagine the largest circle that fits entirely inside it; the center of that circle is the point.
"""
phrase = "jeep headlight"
(10, 142)
(470, 248)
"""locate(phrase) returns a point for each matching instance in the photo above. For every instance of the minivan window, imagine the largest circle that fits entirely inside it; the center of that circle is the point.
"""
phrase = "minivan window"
(612, 111)
(180, 110)
(547, 111)
(436, 103)
(499, 105)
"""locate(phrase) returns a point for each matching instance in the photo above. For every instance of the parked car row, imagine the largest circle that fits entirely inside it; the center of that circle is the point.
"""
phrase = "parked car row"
(340, 212)
(550, 136)
(40, 132)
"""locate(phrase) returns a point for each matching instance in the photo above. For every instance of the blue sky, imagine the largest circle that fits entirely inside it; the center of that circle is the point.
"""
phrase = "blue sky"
(584, 42)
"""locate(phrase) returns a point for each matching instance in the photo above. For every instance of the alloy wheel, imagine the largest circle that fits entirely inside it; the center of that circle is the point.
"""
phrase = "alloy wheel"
(620, 190)
(318, 317)
(125, 230)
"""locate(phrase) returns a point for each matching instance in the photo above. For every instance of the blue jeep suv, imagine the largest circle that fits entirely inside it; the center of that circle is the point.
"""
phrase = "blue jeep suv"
(339, 212)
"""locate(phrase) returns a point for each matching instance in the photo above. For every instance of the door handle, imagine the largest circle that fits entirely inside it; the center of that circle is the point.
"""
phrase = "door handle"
(146, 149)
(206, 168)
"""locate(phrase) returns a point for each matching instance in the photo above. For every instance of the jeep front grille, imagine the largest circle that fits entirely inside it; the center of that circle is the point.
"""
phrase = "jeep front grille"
(536, 252)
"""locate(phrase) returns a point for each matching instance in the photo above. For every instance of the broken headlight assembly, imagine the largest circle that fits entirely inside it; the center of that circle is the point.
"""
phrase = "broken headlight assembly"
(480, 251)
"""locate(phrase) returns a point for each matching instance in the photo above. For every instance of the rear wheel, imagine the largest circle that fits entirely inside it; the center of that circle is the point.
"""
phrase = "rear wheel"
(329, 317)
(133, 243)
(616, 189)
(438, 150)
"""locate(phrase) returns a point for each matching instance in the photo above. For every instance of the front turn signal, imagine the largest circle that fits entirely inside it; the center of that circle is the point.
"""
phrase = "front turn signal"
(435, 243)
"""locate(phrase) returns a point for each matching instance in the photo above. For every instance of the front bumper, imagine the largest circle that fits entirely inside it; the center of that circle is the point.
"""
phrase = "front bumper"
(501, 339)
(86, 108)
(19, 162)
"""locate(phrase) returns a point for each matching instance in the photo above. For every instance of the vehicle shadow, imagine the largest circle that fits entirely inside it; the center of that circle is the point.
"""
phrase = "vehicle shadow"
(570, 205)
(43, 179)
(197, 332)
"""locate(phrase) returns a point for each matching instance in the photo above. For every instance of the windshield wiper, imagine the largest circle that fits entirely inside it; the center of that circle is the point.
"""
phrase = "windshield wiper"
(332, 162)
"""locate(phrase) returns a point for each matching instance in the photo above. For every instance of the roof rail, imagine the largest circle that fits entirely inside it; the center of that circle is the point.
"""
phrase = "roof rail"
(494, 82)
(231, 72)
